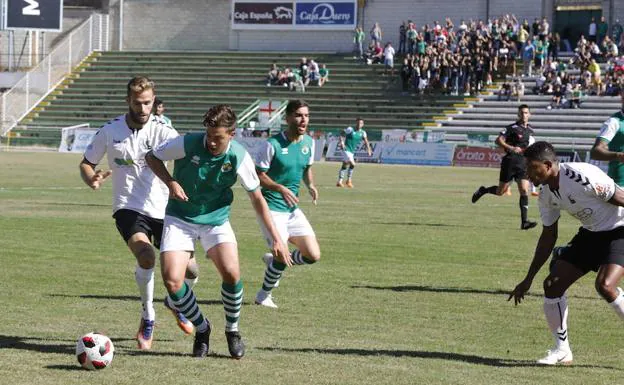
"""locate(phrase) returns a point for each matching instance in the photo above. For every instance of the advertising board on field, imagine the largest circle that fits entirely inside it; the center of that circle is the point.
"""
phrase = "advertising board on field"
(431, 154)
(76, 139)
(334, 154)
(477, 157)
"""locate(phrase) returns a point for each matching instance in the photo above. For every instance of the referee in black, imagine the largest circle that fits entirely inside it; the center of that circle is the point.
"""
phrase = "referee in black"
(514, 139)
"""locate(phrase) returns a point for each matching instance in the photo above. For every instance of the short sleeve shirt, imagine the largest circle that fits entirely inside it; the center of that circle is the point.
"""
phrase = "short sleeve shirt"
(135, 187)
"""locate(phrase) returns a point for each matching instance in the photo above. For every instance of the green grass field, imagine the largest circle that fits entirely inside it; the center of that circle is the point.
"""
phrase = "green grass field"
(410, 289)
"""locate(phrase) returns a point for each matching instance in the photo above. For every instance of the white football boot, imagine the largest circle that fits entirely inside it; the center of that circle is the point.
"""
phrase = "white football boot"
(557, 357)
(265, 299)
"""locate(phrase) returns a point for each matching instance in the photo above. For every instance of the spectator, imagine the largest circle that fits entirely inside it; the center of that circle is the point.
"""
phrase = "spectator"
(388, 54)
(592, 30)
(603, 28)
(376, 34)
(323, 75)
(358, 42)
(565, 36)
(313, 71)
(557, 98)
(577, 95)
(528, 56)
(402, 37)
(518, 89)
(273, 76)
(505, 92)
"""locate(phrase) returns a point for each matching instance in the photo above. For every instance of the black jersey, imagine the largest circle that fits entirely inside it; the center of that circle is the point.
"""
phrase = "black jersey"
(517, 135)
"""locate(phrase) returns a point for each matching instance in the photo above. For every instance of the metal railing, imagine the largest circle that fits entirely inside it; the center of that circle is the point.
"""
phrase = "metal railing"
(16, 103)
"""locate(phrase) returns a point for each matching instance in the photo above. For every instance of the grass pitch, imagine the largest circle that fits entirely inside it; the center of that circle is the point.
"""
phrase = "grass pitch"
(411, 289)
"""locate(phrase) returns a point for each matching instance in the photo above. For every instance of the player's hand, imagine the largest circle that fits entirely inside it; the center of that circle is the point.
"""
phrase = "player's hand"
(518, 293)
(98, 178)
(176, 191)
(290, 198)
(313, 193)
(281, 253)
(517, 150)
(619, 156)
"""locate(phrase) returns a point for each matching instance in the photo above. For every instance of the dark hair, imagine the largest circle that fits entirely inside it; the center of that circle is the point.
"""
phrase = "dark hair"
(139, 84)
(294, 105)
(157, 102)
(522, 107)
(541, 151)
(220, 115)
(358, 119)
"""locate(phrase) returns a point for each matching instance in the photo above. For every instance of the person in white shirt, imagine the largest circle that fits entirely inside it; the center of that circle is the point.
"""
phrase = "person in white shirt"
(139, 197)
(592, 197)
(389, 59)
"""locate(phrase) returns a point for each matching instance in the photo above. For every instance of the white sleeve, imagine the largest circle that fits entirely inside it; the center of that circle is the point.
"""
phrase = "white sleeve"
(599, 185)
(548, 213)
(171, 149)
(97, 148)
(364, 134)
(609, 128)
(531, 140)
(247, 173)
(311, 161)
(265, 156)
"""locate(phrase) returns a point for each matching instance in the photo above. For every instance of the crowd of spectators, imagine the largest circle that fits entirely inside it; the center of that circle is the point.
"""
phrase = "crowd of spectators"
(463, 59)
(307, 72)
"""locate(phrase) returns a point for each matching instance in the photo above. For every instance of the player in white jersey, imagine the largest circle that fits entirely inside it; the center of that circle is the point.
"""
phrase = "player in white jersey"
(139, 197)
(593, 198)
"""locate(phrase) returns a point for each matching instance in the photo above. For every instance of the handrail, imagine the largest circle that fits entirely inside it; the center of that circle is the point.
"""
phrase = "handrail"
(247, 114)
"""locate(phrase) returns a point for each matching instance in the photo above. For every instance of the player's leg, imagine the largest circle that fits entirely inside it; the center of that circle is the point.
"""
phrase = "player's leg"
(505, 178)
(341, 173)
(349, 182)
(176, 251)
(524, 187)
(274, 268)
(611, 272)
(135, 230)
(192, 273)
(220, 243)
(303, 237)
(570, 265)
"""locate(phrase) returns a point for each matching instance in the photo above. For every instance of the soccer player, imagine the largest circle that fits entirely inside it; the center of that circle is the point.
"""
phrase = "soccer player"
(350, 140)
(593, 198)
(514, 139)
(159, 111)
(139, 198)
(609, 144)
(284, 161)
(206, 166)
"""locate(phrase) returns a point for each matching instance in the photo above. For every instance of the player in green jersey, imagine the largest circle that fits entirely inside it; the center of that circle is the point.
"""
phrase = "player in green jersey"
(206, 166)
(609, 144)
(284, 161)
(350, 140)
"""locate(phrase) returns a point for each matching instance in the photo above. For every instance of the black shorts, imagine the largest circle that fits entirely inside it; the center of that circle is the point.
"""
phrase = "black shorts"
(513, 167)
(130, 222)
(589, 250)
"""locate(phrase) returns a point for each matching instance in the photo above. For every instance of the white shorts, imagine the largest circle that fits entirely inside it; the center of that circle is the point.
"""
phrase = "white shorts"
(288, 225)
(347, 156)
(179, 235)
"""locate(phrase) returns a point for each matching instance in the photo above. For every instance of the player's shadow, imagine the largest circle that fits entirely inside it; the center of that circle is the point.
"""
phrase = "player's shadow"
(65, 367)
(128, 298)
(454, 290)
(43, 345)
(171, 354)
(423, 224)
(467, 358)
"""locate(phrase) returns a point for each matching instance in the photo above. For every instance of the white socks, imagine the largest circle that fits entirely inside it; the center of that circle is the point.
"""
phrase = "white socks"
(618, 304)
(556, 312)
(145, 281)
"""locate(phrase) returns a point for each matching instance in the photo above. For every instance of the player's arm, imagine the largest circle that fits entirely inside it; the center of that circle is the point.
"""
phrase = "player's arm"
(501, 142)
(545, 245)
(368, 147)
(600, 151)
(341, 139)
(155, 159)
(92, 177)
(278, 249)
(269, 184)
(308, 179)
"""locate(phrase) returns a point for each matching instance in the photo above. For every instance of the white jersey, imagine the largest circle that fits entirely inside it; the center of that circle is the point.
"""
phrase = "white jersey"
(135, 186)
(584, 191)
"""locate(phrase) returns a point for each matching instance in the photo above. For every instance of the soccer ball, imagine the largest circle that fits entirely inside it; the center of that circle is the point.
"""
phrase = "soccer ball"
(94, 351)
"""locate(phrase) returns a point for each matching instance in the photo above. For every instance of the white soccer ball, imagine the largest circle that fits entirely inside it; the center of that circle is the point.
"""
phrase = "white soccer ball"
(94, 351)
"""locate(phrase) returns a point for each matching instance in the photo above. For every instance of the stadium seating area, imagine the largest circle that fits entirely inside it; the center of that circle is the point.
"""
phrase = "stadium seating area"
(565, 128)
(190, 82)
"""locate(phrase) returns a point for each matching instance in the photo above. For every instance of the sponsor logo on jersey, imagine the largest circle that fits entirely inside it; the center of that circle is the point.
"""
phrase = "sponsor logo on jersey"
(305, 150)
(602, 190)
(584, 214)
(284, 151)
(195, 160)
(227, 167)
(124, 162)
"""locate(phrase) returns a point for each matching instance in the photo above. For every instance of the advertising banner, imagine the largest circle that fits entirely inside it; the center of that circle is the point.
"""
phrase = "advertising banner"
(477, 157)
(568, 156)
(334, 154)
(263, 15)
(432, 154)
(326, 15)
(76, 139)
(43, 15)
(602, 164)
(252, 145)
